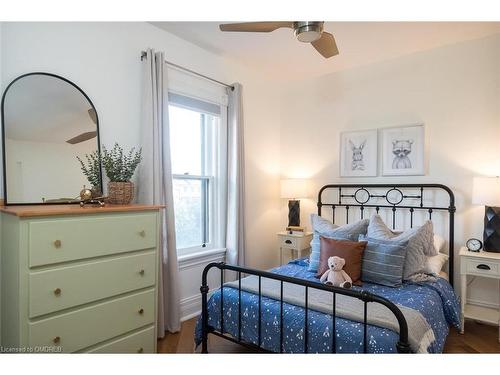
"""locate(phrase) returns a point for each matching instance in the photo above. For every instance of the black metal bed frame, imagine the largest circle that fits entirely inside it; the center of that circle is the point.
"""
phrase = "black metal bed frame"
(361, 197)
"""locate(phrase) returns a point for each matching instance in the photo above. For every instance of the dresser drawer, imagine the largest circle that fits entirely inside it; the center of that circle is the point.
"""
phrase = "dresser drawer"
(68, 286)
(138, 342)
(65, 239)
(289, 242)
(85, 327)
(482, 267)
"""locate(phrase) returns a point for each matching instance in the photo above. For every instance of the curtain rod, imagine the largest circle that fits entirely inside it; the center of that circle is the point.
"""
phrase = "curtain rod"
(144, 54)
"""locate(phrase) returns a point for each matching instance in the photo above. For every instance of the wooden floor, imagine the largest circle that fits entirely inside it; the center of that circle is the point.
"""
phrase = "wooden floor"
(478, 338)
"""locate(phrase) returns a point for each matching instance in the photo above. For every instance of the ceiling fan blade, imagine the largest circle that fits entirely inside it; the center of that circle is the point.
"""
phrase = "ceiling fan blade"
(257, 27)
(82, 137)
(326, 45)
(93, 115)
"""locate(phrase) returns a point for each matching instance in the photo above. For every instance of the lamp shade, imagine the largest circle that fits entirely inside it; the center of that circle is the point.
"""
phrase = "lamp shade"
(295, 188)
(486, 191)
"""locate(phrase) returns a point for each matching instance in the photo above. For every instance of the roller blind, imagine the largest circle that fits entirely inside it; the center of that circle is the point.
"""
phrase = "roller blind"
(192, 103)
(188, 85)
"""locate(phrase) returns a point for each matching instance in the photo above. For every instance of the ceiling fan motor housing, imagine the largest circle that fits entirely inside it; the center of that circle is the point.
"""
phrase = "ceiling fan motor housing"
(308, 31)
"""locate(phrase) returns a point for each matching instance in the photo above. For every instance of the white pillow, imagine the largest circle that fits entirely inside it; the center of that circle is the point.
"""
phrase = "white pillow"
(439, 243)
(434, 264)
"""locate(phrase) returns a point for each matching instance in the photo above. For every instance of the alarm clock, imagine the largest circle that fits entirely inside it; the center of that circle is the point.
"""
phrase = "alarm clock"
(473, 244)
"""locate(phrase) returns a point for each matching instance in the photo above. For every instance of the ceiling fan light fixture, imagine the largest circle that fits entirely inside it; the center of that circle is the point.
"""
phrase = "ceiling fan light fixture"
(305, 31)
(308, 32)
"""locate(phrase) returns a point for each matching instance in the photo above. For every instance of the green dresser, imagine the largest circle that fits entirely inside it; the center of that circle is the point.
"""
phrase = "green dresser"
(79, 279)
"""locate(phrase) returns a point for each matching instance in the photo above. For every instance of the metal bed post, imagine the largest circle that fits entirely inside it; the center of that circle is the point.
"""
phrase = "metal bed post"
(204, 311)
(451, 251)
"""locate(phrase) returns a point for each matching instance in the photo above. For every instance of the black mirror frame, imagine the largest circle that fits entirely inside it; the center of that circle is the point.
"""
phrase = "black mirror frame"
(4, 163)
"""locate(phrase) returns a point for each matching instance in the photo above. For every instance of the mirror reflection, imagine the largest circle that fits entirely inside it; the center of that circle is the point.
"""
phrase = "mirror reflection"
(48, 123)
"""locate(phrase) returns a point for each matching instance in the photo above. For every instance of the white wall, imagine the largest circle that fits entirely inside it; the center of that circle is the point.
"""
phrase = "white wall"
(453, 90)
(104, 60)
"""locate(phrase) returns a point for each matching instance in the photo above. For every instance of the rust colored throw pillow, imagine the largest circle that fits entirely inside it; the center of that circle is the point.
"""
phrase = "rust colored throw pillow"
(351, 251)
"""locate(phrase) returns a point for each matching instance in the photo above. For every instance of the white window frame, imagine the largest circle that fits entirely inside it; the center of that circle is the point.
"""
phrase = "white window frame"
(216, 145)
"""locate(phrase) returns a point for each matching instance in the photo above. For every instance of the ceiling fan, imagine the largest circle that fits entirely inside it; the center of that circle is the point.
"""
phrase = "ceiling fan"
(87, 135)
(305, 31)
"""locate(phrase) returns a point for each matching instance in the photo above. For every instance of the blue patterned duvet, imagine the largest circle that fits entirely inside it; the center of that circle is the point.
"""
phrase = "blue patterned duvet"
(436, 301)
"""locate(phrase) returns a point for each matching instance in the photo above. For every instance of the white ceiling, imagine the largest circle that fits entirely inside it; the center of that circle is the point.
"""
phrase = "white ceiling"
(281, 56)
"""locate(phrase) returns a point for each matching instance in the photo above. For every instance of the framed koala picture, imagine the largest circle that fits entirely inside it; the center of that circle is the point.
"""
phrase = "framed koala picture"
(358, 153)
(403, 151)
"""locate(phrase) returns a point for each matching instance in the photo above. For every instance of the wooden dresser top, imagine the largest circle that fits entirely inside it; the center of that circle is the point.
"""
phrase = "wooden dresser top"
(72, 209)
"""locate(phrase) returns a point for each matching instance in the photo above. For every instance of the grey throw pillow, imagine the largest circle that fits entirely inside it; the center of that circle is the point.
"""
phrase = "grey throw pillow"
(325, 228)
(420, 243)
(383, 261)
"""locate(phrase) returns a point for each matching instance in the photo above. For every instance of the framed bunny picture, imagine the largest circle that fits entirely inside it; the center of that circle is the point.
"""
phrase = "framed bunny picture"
(358, 153)
(403, 151)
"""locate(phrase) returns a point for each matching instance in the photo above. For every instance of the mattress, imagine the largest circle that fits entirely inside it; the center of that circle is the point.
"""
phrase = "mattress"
(436, 301)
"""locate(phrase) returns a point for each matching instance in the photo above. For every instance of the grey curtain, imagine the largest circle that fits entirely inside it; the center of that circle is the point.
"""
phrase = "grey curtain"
(235, 233)
(155, 185)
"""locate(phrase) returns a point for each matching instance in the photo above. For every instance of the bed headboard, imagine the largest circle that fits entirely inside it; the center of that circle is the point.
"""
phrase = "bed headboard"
(403, 198)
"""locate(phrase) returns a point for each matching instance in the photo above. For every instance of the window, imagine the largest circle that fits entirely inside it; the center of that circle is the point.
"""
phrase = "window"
(198, 148)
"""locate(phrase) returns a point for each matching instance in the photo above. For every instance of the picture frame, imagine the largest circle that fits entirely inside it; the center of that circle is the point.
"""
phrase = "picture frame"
(403, 150)
(359, 153)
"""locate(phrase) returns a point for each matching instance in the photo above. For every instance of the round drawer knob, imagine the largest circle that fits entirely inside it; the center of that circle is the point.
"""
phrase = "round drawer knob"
(57, 244)
(56, 340)
(140, 350)
(141, 311)
(142, 233)
(141, 272)
(57, 291)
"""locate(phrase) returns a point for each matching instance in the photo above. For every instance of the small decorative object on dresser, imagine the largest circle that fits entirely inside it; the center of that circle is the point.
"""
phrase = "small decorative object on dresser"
(294, 242)
(120, 168)
(294, 189)
(403, 151)
(87, 197)
(486, 192)
(358, 153)
(480, 264)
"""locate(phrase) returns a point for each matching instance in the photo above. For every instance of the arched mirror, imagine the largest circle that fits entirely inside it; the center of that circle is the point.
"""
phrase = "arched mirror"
(47, 123)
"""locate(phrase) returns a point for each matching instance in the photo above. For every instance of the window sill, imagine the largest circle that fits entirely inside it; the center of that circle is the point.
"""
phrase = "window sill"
(188, 258)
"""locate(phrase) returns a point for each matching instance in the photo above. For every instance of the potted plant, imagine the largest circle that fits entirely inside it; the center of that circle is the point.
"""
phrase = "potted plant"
(120, 168)
(92, 170)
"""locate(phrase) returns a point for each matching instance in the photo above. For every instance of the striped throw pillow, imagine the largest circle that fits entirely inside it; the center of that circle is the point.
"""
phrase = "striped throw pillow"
(383, 261)
(420, 243)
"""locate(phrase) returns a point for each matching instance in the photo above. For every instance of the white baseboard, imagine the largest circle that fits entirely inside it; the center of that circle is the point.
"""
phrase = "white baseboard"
(478, 302)
(190, 307)
(190, 269)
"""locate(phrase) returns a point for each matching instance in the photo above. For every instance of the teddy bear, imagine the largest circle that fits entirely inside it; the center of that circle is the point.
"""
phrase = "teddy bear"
(335, 275)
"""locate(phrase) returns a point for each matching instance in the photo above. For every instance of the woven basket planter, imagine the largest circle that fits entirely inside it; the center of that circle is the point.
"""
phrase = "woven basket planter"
(120, 192)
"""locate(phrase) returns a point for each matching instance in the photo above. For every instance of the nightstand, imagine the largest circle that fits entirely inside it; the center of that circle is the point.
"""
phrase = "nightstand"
(296, 243)
(482, 264)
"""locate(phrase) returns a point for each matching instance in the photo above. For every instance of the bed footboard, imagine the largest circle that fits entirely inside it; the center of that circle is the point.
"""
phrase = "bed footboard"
(402, 345)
